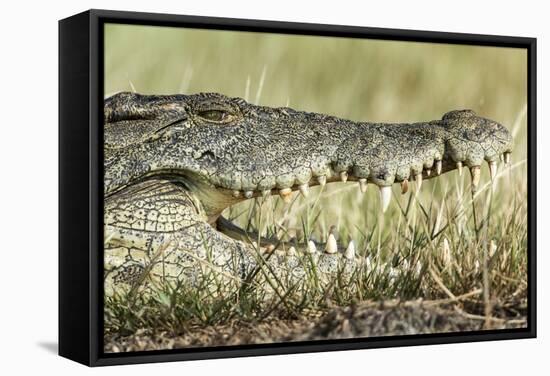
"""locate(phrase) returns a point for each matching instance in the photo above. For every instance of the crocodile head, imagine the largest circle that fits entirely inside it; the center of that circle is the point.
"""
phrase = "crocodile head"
(225, 150)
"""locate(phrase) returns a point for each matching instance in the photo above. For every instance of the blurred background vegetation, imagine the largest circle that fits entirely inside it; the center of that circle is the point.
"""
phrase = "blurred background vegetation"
(353, 78)
(367, 80)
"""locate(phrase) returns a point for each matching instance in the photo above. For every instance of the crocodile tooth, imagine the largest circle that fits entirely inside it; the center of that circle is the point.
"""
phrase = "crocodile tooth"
(507, 157)
(266, 193)
(344, 176)
(428, 171)
(311, 248)
(304, 189)
(493, 169)
(459, 166)
(476, 175)
(291, 251)
(385, 197)
(286, 194)
(404, 186)
(418, 178)
(438, 166)
(237, 194)
(331, 245)
(322, 180)
(248, 194)
(363, 185)
(350, 251)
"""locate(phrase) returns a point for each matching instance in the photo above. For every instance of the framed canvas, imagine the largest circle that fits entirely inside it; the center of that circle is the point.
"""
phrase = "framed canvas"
(235, 187)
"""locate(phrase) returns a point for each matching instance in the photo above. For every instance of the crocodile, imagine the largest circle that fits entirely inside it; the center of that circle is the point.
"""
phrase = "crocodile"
(173, 163)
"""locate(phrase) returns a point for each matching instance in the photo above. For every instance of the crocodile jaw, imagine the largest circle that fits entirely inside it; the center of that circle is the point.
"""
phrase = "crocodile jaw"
(262, 151)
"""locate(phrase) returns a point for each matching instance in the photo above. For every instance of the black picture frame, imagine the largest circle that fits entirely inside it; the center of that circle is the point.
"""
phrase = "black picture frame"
(81, 188)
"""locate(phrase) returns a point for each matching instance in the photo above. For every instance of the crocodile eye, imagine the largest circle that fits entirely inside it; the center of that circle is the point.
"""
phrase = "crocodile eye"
(215, 115)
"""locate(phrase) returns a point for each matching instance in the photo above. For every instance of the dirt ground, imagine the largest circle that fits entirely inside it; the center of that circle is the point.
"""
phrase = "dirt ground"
(369, 319)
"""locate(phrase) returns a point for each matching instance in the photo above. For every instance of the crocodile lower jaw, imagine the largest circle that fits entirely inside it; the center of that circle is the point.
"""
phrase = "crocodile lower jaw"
(223, 196)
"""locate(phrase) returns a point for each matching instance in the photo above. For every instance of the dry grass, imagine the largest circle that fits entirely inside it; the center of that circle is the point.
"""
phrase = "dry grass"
(438, 245)
(364, 320)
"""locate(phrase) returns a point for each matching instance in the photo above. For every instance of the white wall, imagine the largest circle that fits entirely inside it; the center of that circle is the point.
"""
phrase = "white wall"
(28, 136)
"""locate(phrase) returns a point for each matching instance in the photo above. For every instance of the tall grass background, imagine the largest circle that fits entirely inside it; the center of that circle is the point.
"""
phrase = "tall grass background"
(440, 243)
